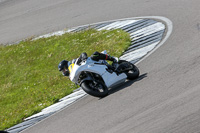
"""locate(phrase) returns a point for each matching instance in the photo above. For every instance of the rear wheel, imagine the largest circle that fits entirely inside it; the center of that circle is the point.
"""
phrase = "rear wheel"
(133, 73)
(96, 89)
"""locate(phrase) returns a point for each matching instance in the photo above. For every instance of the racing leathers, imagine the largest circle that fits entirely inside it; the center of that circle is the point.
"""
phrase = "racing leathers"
(99, 56)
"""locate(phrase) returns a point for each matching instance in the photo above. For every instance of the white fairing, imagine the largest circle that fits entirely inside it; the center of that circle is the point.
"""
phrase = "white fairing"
(110, 79)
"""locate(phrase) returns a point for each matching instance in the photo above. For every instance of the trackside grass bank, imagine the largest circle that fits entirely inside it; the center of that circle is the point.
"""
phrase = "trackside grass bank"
(29, 76)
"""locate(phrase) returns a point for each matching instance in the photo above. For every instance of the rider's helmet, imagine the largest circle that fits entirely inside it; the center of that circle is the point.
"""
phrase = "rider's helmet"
(63, 66)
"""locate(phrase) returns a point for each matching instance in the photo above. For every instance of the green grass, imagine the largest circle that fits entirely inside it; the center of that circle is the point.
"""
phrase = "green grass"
(29, 76)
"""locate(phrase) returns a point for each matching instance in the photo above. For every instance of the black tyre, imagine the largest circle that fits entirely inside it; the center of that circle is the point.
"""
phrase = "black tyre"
(133, 73)
(97, 89)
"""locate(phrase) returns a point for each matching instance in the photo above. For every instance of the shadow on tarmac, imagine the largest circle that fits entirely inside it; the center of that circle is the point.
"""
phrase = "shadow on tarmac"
(126, 84)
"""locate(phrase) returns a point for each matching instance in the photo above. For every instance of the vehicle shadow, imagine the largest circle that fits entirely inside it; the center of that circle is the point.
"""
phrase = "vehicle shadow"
(126, 84)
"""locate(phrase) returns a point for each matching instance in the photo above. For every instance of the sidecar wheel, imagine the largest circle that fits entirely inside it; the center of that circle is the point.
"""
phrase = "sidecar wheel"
(97, 90)
(133, 73)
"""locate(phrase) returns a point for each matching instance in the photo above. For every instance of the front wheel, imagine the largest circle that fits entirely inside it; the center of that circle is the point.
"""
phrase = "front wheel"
(94, 88)
(133, 73)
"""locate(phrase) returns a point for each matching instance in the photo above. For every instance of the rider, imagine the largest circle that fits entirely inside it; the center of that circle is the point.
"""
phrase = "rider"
(96, 56)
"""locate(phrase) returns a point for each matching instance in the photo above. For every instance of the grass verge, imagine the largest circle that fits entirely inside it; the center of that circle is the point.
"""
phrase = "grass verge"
(29, 77)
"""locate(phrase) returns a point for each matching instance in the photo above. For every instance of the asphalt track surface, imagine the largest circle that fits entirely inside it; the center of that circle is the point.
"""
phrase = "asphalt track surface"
(165, 99)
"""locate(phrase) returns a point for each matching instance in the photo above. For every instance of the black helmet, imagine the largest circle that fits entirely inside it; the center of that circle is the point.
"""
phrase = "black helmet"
(63, 66)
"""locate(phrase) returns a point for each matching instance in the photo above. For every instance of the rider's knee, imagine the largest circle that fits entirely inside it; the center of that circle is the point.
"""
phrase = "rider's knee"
(95, 56)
